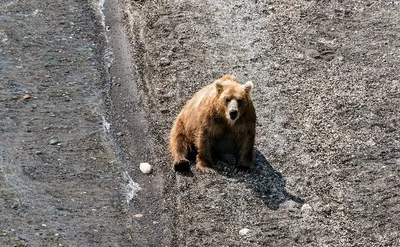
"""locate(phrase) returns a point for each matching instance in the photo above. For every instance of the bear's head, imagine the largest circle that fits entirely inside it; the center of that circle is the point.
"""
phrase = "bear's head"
(233, 98)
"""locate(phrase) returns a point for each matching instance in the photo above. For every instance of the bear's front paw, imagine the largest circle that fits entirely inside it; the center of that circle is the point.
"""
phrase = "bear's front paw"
(182, 165)
(204, 168)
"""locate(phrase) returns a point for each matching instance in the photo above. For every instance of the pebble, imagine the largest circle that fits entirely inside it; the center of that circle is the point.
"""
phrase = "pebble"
(145, 168)
(54, 141)
(327, 209)
(244, 231)
(306, 208)
(164, 61)
(22, 243)
(299, 56)
(164, 111)
(15, 205)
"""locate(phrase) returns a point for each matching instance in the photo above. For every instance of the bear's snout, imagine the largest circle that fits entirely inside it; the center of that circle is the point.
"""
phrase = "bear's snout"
(232, 111)
(233, 114)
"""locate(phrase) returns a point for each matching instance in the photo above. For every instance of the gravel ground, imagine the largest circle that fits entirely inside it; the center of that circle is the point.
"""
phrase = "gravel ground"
(60, 182)
(327, 96)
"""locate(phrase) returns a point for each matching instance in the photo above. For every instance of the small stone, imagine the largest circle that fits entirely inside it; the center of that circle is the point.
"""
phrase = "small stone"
(15, 205)
(26, 96)
(120, 133)
(164, 61)
(290, 205)
(138, 215)
(327, 209)
(44, 225)
(54, 142)
(145, 168)
(306, 208)
(38, 152)
(46, 128)
(244, 231)
(299, 56)
(22, 243)
(164, 111)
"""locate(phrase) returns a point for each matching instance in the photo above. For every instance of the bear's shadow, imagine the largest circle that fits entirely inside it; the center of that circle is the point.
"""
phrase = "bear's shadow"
(266, 183)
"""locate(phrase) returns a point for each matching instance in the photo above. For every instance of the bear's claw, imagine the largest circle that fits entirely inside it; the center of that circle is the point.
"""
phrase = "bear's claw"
(205, 169)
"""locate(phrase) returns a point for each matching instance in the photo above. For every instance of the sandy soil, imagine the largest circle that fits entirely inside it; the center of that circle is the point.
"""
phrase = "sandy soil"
(327, 95)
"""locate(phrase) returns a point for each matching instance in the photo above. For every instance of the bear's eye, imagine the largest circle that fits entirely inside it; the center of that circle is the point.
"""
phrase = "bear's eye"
(240, 101)
(227, 100)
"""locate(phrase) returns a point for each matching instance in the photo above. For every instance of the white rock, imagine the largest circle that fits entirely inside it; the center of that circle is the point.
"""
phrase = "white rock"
(244, 231)
(145, 168)
(306, 208)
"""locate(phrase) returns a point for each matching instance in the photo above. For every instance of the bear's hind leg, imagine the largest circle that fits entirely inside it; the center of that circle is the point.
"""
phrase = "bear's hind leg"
(179, 146)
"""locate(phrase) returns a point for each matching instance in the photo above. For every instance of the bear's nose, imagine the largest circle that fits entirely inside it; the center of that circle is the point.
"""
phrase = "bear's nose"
(233, 114)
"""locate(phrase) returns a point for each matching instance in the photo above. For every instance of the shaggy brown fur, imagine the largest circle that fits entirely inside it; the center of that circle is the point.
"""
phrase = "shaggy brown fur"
(218, 118)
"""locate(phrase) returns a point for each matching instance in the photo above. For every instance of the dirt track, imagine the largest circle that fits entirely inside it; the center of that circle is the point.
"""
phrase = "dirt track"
(327, 95)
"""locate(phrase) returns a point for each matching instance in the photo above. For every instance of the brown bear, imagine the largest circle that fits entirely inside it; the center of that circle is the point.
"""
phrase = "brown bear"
(220, 118)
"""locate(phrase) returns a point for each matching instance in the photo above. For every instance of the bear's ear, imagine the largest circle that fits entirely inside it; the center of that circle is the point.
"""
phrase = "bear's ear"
(248, 87)
(219, 87)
